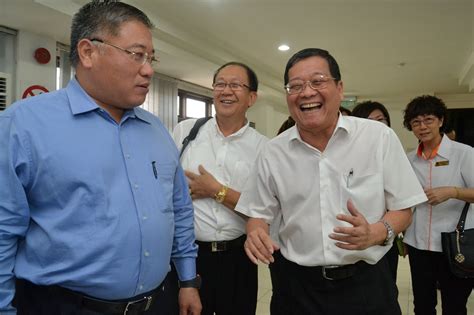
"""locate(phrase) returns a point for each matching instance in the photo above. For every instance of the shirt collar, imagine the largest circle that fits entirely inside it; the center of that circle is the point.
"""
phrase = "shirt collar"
(80, 102)
(343, 123)
(443, 148)
(238, 133)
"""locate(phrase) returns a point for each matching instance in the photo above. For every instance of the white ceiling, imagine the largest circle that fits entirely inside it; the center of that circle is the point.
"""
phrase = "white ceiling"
(370, 38)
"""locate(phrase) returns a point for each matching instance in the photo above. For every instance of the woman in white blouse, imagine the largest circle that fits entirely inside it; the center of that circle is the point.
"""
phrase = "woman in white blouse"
(445, 169)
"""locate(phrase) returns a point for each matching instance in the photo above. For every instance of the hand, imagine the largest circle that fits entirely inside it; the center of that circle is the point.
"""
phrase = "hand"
(202, 185)
(259, 246)
(439, 194)
(189, 302)
(359, 236)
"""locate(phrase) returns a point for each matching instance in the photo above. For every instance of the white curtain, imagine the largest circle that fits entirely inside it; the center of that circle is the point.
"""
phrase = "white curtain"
(162, 100)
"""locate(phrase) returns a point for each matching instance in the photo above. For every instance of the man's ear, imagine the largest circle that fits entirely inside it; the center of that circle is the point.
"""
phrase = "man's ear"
(340, 90)
(86, 50)
(252, 98)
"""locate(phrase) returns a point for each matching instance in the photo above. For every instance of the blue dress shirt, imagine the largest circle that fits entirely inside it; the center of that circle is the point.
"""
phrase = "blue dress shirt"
(89, 204)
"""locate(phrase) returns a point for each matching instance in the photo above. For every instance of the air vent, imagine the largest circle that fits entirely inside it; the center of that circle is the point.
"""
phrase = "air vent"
(5, 95)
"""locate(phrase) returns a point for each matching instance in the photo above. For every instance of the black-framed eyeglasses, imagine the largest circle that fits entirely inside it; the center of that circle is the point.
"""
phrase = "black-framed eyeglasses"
(234, 86)
(139, 57)
(317, 83)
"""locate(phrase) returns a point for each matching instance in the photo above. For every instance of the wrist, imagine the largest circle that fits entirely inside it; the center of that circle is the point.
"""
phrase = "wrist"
(456, 193)
(221, 194)
(390, 233)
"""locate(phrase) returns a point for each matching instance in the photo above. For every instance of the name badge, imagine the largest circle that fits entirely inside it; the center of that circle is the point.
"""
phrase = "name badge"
(442, 163)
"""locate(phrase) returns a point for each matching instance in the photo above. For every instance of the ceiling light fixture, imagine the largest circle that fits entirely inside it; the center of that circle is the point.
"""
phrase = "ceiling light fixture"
(283, 47)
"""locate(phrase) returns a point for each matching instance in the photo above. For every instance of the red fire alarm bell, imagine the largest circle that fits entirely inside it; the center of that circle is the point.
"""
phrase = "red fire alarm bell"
(42, 56)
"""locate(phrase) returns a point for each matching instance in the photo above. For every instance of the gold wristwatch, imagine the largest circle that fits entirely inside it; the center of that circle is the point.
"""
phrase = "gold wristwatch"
(220, 195)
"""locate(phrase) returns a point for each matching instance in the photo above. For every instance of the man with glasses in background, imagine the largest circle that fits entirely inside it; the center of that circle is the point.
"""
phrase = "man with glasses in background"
(217, 164)
(94, 202)
(331, 178)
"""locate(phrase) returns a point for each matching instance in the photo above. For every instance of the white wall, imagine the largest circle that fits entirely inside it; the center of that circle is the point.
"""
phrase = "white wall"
(29, 71)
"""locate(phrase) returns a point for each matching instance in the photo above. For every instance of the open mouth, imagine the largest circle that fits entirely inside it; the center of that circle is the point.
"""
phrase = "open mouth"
(310, 106)
(227, 102)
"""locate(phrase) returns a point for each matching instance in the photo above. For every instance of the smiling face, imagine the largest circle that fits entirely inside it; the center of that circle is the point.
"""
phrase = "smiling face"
(427, 128)
(314, 111)
(230, 103)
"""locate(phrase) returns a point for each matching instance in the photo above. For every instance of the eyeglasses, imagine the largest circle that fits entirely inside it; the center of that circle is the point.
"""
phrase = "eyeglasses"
(318, 83)
(139, 57)
(234, 86)
(415, 123)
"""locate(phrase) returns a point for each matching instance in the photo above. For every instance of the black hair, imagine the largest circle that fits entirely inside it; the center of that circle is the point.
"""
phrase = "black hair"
(287, 124)
(345, 110)
(312, 52)
(99, 17)
(253, 80)
(425, 105)
(364, 109)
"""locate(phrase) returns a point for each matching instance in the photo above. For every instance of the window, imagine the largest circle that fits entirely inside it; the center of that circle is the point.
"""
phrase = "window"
(64, 71)
(191, 105)
(7, 66)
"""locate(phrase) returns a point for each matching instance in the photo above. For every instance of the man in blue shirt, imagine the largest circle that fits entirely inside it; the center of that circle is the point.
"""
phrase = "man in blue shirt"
(94, 203)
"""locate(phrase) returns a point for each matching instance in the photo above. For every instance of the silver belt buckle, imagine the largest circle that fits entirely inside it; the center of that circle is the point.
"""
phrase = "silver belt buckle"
(214, 247)
(323, 268)
(148, 299)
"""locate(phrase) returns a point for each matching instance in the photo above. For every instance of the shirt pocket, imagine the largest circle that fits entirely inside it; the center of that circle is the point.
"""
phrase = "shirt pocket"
(367, 194)
(165, 173)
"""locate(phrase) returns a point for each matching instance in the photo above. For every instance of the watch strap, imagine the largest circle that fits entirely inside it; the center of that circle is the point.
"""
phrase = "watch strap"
(192, 283)
(390, 233)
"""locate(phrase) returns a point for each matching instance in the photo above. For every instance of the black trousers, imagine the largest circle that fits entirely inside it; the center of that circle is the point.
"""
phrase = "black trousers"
(429, 268)
(392, 259)
(304, 291)
(229, 282)
(31, 299)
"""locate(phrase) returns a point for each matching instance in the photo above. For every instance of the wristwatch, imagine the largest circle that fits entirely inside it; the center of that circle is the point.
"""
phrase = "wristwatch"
(193, 283)
(221, 194)
(390, 233)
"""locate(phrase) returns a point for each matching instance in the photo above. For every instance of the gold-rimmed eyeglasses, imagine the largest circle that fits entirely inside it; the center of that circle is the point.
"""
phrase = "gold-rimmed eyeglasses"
(317, 83)
(234, 86)
(427, 121)
(139, 57)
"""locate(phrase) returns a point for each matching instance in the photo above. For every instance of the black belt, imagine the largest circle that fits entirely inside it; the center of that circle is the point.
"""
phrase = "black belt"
(135, 305)
(220, 246)
(328, 272)
(341, 272)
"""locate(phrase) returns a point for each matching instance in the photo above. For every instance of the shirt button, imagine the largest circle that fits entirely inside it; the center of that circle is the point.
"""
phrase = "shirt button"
(140, 287)
(135, 186)
(127, 156)
(145, 217)
(147, 254)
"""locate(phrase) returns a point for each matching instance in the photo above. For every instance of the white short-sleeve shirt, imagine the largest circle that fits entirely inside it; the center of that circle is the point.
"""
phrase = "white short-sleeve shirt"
(453, 165)
(229, 160)
(363, 161)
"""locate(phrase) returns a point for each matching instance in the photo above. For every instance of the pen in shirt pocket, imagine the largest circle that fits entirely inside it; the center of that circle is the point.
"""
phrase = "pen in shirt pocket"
(349, 176)
(155, 172)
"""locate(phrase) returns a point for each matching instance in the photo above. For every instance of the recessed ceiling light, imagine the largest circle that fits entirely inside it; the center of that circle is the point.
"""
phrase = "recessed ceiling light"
(283, 47)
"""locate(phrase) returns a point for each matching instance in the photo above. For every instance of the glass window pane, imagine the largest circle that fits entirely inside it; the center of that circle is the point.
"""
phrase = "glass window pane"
(213, 110)
(195, 108)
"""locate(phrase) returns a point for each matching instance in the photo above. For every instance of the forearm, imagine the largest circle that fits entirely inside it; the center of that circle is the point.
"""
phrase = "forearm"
(399, 221)
(464, 194)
